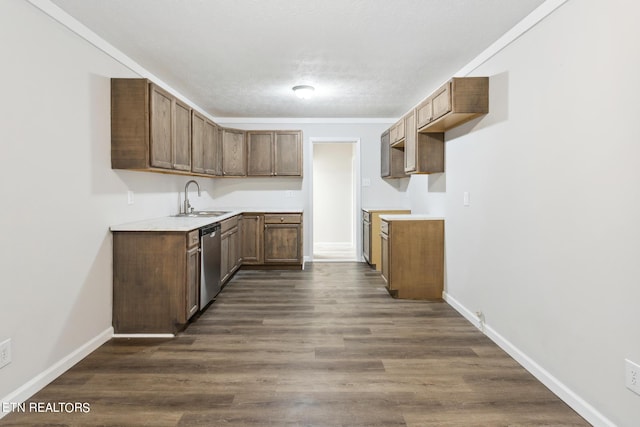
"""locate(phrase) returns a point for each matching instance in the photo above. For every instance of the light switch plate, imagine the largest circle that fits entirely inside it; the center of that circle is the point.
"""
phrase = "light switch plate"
(466, 198)
(130, 197)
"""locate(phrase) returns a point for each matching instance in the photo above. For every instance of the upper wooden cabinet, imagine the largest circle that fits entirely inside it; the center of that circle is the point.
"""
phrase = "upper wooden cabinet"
(206, 147)
(274, 153)
(423, 153)
(233, 152)
(150, 129)
(457, 101)
(397, 132)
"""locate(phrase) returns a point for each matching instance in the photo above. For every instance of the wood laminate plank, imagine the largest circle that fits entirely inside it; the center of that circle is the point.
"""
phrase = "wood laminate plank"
(326, 346)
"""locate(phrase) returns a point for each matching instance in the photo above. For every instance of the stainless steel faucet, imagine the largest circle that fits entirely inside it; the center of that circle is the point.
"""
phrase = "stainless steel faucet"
(187, 206)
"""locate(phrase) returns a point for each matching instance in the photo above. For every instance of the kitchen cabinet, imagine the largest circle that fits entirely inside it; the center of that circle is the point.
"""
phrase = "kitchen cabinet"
(274, 153)
(391, 158)
(230, 247)
(206, 149)
(156, 279)
(397, 132)
(457, 101)
(371, 249)
(283, 239)
(410, 144)
(252, 238)
(233, 152)
(150, 129)
(412, 257)
(425, 154)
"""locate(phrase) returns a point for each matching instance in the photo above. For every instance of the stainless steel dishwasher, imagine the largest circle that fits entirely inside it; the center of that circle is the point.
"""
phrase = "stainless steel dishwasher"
(209, 263)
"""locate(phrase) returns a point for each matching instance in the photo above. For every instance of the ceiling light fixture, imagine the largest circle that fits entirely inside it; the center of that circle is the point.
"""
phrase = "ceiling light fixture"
(303, 91)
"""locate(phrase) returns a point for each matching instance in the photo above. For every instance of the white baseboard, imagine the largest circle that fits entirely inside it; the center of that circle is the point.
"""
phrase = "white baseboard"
(143, 336)
(42, 379)
(588, 412)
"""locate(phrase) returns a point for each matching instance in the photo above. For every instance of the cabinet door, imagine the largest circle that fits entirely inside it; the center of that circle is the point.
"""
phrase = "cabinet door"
(193, 281)
(251, 238)
(234, 257)
(288, 153)
(384, 256)
(212, 149)
(441, 101)
(233, 153)
(182, 140)
(282, 243)
(410, 148)
(161, 132)
(197, 142)
(225, 268)
(259, 153)
(385, 155)
(424, 113)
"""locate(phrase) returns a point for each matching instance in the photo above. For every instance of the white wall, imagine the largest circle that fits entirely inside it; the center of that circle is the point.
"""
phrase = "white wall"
(61, 195)
(548, 249)
(333, 204)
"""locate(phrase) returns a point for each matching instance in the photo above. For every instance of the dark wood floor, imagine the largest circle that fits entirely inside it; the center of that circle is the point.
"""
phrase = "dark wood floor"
(325, 346)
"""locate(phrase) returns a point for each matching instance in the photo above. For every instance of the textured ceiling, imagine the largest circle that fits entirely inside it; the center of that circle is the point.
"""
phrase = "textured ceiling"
(366, 58)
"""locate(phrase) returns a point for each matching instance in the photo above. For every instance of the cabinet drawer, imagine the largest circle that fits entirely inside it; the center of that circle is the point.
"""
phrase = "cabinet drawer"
(384, 227)
(228, 224)
(193, 239)
(366, 216)
(282, 219)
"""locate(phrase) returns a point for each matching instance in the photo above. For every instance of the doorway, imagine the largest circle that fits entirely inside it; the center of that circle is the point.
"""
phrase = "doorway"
(335, 199)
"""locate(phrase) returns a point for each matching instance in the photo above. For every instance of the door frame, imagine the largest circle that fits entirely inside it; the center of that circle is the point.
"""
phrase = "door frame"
(357, 231)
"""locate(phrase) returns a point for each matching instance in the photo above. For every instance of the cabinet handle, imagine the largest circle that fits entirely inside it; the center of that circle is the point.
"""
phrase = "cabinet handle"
(281, 219)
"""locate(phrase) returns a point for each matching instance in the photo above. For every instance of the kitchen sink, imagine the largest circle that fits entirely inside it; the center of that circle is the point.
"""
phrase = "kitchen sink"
(203, 213)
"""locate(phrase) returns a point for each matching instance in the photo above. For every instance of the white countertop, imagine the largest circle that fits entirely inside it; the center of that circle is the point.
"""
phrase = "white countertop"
(411, 217)
(187, 223)
(385, 209)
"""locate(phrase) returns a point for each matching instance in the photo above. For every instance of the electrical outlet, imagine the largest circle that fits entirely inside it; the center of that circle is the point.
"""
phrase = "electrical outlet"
(632, 376)
(5, 353)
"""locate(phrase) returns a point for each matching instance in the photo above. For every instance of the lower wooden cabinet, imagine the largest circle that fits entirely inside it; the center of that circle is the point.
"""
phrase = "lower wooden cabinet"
(230, 247)
(272, 239)
(412, 257)
(371, 249)
(156, 279)
(251, 238)
(283, 239)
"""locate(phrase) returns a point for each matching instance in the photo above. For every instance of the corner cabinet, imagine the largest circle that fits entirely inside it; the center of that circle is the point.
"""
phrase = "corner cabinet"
(274, 153)
(150, 129)
(412, 257)
(156, 278)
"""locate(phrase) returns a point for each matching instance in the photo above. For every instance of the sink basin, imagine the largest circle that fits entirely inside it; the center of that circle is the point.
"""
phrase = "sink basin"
(196, 214)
